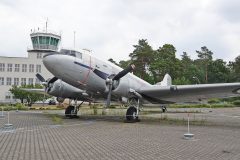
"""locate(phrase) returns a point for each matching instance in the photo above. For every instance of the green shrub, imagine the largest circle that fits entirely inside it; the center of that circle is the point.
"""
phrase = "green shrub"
(214, 100)
(113, 106)
(236, 102)
(94, 109)
(9, 108)
(222, 105)
(190, 105)
(20, 106)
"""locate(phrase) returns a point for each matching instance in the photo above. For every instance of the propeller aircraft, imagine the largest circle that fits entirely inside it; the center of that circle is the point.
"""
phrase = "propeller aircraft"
(100, 78)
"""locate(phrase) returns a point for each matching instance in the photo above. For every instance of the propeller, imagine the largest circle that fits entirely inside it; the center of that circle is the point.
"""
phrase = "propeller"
(110, 81)
(47, 83)
(40, 77)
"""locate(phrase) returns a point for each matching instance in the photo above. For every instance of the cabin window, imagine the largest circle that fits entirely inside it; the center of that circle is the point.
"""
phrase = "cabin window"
(79, 55)
(72, 53)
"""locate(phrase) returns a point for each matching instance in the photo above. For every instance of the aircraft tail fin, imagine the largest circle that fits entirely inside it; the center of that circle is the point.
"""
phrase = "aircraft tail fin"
(167, 81)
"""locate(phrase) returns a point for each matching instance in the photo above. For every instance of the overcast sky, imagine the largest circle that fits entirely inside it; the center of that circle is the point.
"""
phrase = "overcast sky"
(110, 28)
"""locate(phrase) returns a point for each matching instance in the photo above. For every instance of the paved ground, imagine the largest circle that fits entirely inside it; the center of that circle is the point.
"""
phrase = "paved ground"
(217, 117)
(36, 136)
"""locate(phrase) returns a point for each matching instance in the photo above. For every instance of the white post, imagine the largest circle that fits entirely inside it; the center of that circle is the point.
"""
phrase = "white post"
(2, 111)
(188, 135)
(8, 117)
(188, 122)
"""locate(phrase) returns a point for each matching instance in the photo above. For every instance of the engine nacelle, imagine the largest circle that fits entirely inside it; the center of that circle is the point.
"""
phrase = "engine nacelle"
(121, 87)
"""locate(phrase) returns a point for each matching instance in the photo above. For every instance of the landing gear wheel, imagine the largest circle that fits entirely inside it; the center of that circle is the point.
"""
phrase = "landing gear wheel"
(131, 115)
(164, 109)
(70, 112)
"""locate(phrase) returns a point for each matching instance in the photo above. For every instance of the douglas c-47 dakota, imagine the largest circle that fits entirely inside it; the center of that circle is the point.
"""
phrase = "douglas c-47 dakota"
(98, 78)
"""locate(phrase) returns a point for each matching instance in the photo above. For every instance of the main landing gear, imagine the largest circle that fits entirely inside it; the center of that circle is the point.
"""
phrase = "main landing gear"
(164, 109)
(71, 110)
(133, 110)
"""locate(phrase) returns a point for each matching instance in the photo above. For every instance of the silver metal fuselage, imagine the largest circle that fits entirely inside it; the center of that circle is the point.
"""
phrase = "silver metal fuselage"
(78, 71)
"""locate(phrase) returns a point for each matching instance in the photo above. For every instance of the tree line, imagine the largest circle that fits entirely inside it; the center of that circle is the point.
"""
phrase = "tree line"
(152, 65)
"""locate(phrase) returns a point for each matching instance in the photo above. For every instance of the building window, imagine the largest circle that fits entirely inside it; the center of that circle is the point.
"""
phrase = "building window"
(30, 81)
(9, 81)
(39, 55)
(17, 67)
(1, 80)
(24, 67)
(31, 67)
(2, 67)
(23, 81)
(16, 81)
(37, 81)
(9, 67)
(7, 96)
(38, 68)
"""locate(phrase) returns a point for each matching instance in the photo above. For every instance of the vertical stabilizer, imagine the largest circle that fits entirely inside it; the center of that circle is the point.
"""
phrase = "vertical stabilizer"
(167, 81)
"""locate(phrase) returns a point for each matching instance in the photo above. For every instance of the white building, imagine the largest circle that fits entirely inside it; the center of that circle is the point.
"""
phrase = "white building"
(22, 70)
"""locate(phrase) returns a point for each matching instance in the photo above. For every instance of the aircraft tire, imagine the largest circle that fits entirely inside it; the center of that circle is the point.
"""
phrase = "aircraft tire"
(164, 109)
(68, 111)
(131, 114)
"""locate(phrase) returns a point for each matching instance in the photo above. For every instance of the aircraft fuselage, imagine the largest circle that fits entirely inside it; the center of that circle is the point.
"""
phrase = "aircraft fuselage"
(89, 73)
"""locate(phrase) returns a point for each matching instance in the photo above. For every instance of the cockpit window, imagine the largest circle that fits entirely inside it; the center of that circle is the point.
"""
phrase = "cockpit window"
(79, 55)
(68, 52)
(71, 53)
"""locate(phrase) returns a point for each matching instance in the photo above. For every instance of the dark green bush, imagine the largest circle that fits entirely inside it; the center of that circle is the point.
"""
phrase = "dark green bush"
(236, 102)
(222, 105)
(20, 106)
(214, 100)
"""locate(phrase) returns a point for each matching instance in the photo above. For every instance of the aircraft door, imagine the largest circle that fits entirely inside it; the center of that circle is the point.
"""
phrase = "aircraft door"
(87, 66)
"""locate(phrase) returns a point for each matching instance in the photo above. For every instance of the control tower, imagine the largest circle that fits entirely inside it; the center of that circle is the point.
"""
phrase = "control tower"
(44, 41)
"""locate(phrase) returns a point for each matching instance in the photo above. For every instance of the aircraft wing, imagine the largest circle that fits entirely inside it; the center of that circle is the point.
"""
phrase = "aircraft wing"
(35, 90)
(188, 93)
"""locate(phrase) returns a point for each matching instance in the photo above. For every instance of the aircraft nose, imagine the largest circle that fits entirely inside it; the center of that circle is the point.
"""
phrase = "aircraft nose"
(59, 65)
(49, 62)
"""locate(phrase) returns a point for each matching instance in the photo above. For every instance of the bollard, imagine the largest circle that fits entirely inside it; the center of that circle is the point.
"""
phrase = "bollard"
(188, 135)
(8, 125)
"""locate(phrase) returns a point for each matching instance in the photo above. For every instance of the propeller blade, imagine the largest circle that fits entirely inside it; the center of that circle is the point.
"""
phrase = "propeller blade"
(109, 81)
(109, 94)
(52, 80)
(124, 72)
(40, 77)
